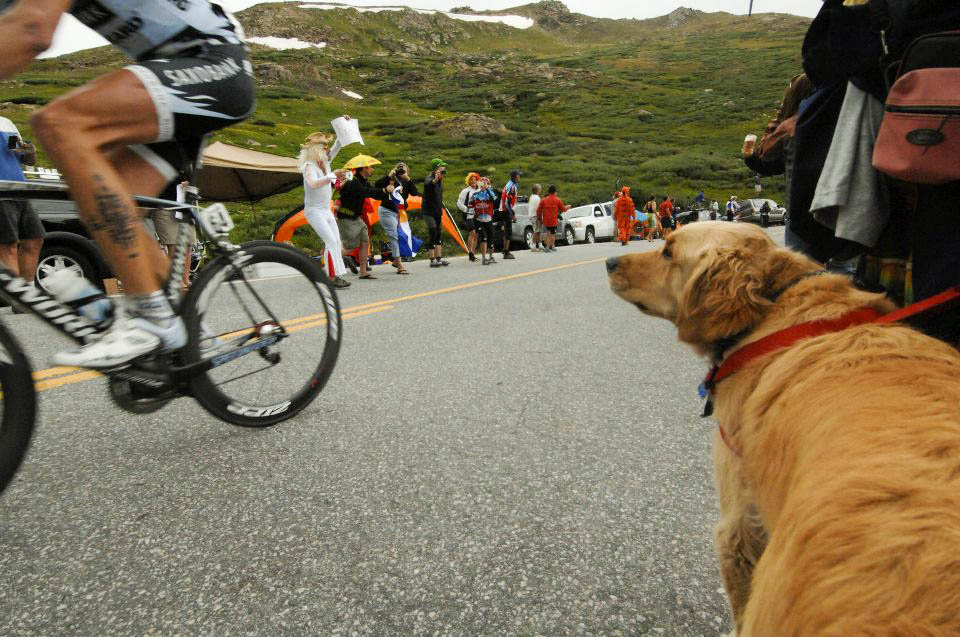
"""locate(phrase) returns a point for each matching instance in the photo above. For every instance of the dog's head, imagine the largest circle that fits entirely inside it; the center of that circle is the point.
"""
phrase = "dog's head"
(711, 279)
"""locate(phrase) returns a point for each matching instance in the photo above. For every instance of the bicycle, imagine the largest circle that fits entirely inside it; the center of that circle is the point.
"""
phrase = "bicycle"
(225, 338)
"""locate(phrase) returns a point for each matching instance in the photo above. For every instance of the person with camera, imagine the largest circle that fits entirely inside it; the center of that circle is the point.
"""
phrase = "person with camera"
(483, 200)
(21, 233)
(403, 187)
(432, 208)
(508, 199)
(353, 193)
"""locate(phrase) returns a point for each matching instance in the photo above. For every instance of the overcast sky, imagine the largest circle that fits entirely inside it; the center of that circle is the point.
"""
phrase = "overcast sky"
(71, 36)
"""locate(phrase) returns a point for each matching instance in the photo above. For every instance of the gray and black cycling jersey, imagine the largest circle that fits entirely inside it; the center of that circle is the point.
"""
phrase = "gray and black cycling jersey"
(145, 29)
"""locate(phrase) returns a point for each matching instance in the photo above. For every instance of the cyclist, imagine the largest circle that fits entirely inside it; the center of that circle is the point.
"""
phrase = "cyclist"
(134, 129)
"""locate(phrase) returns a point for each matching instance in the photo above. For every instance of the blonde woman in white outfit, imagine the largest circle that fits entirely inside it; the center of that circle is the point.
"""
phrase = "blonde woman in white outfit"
(318, 180)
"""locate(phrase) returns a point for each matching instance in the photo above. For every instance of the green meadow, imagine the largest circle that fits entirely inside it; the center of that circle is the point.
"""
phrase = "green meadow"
(660, 105)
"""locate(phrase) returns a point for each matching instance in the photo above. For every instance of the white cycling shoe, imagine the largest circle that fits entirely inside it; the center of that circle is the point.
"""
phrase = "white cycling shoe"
(126, 340)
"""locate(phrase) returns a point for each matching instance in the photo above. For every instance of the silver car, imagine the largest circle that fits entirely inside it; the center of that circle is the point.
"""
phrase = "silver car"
(762, 211)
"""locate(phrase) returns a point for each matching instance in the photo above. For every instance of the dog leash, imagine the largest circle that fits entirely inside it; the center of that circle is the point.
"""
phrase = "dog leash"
(787, 337)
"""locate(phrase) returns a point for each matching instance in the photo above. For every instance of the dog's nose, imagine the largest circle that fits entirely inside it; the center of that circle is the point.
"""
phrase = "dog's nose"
(612, 264)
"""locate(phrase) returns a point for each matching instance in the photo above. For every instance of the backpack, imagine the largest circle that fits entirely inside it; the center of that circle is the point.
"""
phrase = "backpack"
(919, 137)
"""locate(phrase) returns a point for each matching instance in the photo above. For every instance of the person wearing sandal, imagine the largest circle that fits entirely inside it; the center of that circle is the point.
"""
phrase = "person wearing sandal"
(353, 194)
(403, 187)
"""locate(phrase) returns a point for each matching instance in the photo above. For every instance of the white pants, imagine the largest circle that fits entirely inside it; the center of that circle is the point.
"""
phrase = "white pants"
(325, 224)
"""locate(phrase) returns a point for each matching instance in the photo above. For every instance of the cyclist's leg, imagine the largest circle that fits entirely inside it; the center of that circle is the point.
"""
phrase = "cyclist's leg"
(77, 131)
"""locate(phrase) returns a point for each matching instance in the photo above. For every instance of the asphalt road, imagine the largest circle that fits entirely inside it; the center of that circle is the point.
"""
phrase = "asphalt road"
(507, 449)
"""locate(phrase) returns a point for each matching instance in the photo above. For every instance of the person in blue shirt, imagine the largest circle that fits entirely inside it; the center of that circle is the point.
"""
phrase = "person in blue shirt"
(21, 233)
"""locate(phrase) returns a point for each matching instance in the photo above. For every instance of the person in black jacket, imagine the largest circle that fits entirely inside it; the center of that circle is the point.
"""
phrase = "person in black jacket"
(433, 210)
(353, 231)
(403, 187)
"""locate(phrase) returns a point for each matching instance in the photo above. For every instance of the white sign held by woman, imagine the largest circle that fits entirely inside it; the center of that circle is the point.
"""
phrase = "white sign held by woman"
(347, 130)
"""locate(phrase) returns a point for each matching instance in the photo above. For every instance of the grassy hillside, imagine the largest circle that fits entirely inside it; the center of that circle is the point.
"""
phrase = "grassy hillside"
(660, 104)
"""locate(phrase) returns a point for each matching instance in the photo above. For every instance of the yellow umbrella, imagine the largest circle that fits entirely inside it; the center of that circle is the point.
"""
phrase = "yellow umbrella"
(361, 161)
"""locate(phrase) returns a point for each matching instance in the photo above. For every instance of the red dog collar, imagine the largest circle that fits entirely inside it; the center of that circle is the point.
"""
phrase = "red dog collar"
(776, 341)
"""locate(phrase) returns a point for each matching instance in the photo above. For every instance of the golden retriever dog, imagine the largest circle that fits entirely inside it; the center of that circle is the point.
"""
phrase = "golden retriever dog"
(839, 479)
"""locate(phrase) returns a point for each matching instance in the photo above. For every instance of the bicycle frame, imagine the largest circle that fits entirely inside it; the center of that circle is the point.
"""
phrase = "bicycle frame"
(79, 328)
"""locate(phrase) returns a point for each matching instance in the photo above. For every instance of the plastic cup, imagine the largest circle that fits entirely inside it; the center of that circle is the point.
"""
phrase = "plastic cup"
(749, 143)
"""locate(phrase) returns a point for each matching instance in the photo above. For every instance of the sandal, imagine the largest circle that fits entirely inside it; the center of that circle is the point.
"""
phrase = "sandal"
(403, 271)
(368, 276)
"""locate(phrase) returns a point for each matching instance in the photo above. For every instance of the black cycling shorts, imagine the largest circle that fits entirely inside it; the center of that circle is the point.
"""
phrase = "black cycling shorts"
(550, 229)
(195, 94)
(484, 231)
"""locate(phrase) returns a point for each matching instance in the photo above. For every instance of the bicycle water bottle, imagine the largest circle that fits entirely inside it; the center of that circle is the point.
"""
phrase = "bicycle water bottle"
(81, 295)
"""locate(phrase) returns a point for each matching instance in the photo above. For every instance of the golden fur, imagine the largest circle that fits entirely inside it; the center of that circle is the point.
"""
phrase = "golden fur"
(841, 515)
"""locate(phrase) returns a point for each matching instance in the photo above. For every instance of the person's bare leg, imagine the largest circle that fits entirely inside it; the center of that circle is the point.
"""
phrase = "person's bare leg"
(76, 130)
(363, 258)
(472, 241)
(8, 256)
(28, 255)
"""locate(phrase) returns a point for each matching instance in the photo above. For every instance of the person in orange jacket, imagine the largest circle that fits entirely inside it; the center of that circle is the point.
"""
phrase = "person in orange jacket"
(624, 213)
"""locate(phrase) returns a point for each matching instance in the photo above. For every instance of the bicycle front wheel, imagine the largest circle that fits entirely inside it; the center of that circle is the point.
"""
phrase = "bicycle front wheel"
(19, 406)
(269, 320)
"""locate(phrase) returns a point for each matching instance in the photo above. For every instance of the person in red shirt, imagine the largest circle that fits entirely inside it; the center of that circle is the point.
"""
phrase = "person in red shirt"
(548, 212)
(666, 216)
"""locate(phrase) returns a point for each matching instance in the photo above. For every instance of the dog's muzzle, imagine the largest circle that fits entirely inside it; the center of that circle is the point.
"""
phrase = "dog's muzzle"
(612, 264)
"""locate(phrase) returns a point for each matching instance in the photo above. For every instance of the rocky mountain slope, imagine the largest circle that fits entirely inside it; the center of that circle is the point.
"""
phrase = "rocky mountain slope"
(660, 104)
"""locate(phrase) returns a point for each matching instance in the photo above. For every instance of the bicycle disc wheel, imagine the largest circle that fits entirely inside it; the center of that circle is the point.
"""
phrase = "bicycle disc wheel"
(19, 406)
(277, 296)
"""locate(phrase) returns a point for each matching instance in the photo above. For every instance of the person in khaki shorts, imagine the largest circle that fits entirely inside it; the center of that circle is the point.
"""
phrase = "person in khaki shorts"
(353, 193)
(167, 226)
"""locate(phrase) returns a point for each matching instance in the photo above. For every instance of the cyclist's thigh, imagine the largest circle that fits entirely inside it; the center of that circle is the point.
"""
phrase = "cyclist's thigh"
(110, 111)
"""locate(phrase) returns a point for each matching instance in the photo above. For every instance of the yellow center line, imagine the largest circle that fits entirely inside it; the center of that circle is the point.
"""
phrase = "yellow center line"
(59, 376)
(78, 374)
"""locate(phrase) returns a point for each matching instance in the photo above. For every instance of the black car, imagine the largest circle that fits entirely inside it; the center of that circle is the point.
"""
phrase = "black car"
(67, 245)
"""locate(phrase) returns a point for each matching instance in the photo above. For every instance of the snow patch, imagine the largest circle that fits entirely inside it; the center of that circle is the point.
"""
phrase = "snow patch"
(351, 94)
(515, 21)
(283, 44)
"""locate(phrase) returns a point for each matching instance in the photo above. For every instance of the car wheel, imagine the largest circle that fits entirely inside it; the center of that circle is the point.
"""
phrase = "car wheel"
(591, 237)
(528, 237)
(568, 236)
(57, 257)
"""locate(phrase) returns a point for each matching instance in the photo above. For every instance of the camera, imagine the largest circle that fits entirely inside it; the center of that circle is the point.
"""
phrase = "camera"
(443, 171)
(12, 142)
(399, 171)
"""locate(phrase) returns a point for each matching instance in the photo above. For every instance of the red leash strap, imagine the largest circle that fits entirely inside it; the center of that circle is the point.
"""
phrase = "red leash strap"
(786, 338)
(920, 307)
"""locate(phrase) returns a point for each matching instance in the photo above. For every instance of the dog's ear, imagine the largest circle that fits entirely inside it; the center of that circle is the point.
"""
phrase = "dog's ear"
(724, 296)
(732, 288)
